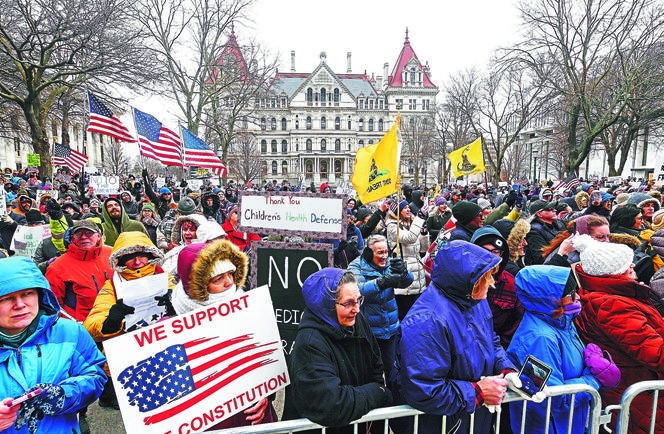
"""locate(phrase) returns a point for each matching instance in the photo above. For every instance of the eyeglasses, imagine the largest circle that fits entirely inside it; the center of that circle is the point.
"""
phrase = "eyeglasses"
(79, 234)
(348, 304)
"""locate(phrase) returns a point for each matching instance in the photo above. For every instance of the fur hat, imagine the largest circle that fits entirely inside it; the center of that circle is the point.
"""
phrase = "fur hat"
(658, 220)
(603, 259)
(465, 212)
(580, 197)
(640, 199)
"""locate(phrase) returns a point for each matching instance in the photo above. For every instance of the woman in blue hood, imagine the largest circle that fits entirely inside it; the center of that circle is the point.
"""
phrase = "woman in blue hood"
(335, 367)
(449, 359)
(547, 332)
(38, 350)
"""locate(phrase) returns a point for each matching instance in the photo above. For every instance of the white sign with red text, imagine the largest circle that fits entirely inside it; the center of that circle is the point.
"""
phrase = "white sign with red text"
(188, 373)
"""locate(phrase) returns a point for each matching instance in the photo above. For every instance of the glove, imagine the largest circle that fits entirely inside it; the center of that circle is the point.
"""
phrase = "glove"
(7, 219)
(116, 315)
(513, 381)
(53, 209)
(510, 199)
(342, 245)
(388, 281)
(423, 212)
(183, 183)
(518, 203)
(165, 300)
(541, 395)
(387, 399)
(397, 266)
(145, 173)
(49, 402)
(601, 366)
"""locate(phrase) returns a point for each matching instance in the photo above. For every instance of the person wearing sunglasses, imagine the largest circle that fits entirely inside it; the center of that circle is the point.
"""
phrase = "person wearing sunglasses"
(335, 368)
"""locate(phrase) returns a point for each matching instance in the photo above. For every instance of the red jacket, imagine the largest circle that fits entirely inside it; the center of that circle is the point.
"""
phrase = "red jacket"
(618, 316)
(77, 276)
(241, 239)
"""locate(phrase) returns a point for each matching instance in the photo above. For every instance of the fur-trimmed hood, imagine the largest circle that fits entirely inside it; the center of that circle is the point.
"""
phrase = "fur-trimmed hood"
(132, 242)
(216, 203)
(628, 240)
(580, 196)
(196, 264)
(176, 235)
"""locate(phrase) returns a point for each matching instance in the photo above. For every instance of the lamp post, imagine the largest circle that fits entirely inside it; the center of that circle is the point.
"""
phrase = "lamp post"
(534, 151)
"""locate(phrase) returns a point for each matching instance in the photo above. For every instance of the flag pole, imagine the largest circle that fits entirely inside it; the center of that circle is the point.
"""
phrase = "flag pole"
(398, 181)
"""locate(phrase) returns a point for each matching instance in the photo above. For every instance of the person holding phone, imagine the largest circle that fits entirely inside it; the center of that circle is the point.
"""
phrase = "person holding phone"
(39, 350)
(547, 332)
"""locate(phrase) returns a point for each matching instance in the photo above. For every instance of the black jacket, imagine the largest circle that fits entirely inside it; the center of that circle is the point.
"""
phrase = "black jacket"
(336, 377)
(540, 235)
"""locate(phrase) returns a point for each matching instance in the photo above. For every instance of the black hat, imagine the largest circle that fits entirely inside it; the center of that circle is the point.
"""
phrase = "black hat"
(541, 205)
(33, 217)
(465, 212)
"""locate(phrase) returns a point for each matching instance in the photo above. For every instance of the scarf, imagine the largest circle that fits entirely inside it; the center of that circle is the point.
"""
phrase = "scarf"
(182, 303)
(17, 340)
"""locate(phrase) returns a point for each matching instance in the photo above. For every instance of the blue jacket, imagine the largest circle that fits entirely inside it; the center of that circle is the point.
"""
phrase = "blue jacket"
(447, 342)
(380, 306)
(553, 341)
(59, 352)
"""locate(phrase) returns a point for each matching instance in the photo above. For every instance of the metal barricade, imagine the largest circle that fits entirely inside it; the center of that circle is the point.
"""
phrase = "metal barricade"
(628, 396)
(388, 413)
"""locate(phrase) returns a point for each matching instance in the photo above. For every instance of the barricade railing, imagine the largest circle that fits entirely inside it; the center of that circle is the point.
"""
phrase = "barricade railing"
(628, 396)
(388, 413)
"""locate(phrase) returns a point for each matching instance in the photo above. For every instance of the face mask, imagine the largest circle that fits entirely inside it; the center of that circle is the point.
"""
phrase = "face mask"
(573, 308)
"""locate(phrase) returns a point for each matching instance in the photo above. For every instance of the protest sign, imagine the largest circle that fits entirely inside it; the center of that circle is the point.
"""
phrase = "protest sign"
(105, 184)
(195, 184)
(306, 214)
(284, 268)
(34, 160)
(192, 371)
(3, 202)
(160, 181)
(347, 189)
(614, 180)
(140, 294)
(27, 238)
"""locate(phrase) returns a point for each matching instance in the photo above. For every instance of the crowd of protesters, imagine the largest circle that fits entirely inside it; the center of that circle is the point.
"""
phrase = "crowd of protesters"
(437, 296)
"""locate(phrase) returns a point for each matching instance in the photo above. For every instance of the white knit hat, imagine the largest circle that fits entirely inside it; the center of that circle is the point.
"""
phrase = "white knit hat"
(603, 259)
(221, 267)
(483, 203)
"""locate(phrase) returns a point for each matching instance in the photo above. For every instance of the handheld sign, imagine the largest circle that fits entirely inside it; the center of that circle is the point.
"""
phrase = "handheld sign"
(27, 238)
(190, 372)
(283, 268)
(3, 202)
(34, 160)
(319, 215)
(105, 184)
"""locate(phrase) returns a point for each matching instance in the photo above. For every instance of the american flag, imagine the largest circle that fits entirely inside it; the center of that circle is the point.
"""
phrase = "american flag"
(102, 120)
(198, 153)
(66, 156)
(156, 141)
(193, 371)
(569, 182)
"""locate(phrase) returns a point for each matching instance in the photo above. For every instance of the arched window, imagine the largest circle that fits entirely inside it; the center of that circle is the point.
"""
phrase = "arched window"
(308, 168)
(263, 125)
(284, 167)
(349, 123)
(323, 168)
(310, 95)
(371, 124)
(323, 145)
(360, 143)
(283, 124)
(360, 125)
(337, 145)
(273, 124)
(273, 146)
(264, 146)
(337, 123)
(297, 123)
(264, 167)
(284, 146)
(322, 95)
(308, 122)
(308, 145)
(323, 123)
(336, 94)
(274, 167)
(380, 125)
(338, 168)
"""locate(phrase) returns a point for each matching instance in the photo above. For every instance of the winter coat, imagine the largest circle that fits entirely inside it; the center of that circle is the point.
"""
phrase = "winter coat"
(446, 342)
(411, 243)
(241, 239)
(554, 342)
(540, 236)
(436, 221)
(618, 316)
(58, 352)
(130, 207)
(126, 225)
(461, 232)
(213, 212)
(505, 306)
(366, 229)
(45, 251)
(176, 245)
(151, 225)
(77, 276)
(336, 373)
(162, 205)
(380, 306)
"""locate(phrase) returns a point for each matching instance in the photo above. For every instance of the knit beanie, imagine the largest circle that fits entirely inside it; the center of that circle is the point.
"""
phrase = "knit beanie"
(465, 212)
(148, 206)
(603, 259)
(164, 190)
(440, 200)
(33, 217)
(483, 203)
(621, 199)
(229, 208)
(221, 267)
(186, 206)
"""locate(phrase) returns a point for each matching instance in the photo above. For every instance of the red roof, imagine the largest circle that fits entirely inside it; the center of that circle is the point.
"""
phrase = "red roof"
(233, 49)
(406, 54)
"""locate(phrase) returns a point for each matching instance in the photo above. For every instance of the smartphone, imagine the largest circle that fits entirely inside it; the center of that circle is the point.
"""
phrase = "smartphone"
(533, 375)
(596, 197)
(24, 397)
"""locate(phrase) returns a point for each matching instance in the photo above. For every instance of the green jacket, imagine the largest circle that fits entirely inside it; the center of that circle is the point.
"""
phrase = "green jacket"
(126, 225)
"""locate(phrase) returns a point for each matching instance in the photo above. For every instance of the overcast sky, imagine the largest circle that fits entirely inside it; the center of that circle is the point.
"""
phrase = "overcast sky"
(450, 35)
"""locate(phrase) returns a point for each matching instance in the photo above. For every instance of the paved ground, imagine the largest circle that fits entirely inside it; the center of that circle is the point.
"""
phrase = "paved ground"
(108, 421)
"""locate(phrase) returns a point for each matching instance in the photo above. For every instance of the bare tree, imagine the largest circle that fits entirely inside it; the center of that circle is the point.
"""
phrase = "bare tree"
(454, 129)
(116, 160)
(575, 45)
(153, 166)
(245, 162)
(418, 133)
(50, 46)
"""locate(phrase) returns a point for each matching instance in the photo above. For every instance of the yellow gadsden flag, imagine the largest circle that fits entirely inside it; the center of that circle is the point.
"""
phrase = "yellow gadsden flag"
(467, 160)
(377, 167)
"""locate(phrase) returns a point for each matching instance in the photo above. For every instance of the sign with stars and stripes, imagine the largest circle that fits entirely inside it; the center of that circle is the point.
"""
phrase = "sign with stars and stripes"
(194, 370)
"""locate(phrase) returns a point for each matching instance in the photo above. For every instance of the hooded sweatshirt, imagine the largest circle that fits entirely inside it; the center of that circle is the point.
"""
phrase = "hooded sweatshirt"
(114, 227)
